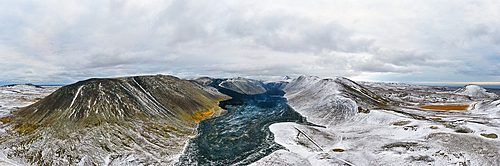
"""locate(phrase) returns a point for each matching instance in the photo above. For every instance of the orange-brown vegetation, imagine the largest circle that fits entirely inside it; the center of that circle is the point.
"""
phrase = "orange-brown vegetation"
(446, 107)
(198, 116)
(4, 119)
(208, 113)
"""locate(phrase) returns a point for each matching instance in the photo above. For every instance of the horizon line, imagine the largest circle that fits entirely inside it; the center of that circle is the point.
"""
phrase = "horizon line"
(478, 83)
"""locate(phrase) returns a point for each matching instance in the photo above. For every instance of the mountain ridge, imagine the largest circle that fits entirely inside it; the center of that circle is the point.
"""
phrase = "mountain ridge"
(126, 120)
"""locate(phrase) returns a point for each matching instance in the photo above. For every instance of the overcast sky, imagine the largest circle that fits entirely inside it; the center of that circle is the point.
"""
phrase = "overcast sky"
(53, 42)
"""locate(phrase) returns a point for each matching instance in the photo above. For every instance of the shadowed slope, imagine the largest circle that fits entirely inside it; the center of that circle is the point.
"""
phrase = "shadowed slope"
(234, 85)
(243, 86)
(131, 120)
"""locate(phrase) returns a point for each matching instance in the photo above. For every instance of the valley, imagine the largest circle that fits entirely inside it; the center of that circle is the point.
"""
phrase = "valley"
(164, 120)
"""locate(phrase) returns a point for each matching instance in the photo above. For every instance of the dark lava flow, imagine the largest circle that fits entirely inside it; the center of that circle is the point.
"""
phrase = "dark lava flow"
(241, 136)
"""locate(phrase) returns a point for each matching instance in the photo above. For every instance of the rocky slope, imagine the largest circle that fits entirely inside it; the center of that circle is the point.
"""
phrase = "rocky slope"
(139, 120)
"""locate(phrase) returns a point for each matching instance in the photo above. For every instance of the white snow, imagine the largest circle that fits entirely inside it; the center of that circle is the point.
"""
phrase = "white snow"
(475, 91)
(383, 137)
(76, 95)
(14, 97)
(5, 161)
(392, 136)
(243, 86)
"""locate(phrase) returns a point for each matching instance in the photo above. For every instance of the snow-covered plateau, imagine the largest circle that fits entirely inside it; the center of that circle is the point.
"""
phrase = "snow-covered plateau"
(303, 121)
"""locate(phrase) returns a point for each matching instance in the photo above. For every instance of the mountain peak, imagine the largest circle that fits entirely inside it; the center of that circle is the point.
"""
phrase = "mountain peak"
(286, 78)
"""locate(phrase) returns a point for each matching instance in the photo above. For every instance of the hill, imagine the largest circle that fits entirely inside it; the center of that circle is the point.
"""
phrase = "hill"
(130, 120)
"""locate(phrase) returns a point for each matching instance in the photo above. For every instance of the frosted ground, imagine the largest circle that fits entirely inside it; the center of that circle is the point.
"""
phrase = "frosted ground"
(402, 134)
(14, 97)
(365, 123)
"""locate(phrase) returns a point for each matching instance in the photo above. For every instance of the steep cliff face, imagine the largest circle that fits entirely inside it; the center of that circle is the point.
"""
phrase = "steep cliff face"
(130, 120)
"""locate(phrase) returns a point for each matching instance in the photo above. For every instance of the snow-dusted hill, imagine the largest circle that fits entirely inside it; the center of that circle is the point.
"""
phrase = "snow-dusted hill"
(416, 94)
(475, 91)
(142, 120)
(243, 86)
(489, 109)
(327, 101)
(382, 127)
(239, 84)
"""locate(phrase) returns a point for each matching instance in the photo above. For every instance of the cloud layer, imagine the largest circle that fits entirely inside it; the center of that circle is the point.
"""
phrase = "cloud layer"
(58, 41)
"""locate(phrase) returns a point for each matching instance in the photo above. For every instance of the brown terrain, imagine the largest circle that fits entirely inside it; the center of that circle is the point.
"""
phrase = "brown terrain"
(447, 107)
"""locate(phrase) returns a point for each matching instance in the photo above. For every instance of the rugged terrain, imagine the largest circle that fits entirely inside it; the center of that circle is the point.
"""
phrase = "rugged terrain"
(385, 124)
(164, 120)
(132, 120)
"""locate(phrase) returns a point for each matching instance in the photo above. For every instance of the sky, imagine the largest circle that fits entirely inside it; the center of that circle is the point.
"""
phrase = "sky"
(64, 41)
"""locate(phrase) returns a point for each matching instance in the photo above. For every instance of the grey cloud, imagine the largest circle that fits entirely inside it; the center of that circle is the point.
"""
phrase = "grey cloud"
(72, 40)
(362, 63)
(405, 58)
(478, 31)
(485, 34)
(292, 33)
(113, 36)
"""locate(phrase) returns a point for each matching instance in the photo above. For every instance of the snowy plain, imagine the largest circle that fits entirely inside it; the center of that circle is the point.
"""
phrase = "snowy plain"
(14, 97)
